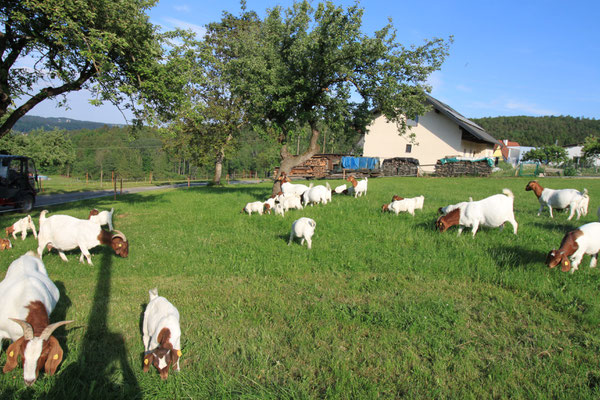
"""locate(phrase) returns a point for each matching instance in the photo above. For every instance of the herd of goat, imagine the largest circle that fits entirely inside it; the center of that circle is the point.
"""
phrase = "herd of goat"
(29, 295)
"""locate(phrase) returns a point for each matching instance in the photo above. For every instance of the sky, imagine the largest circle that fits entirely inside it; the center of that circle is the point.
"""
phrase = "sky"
(508, 58)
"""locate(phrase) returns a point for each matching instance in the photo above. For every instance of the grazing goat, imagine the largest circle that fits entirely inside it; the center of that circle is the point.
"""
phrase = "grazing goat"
(583, 240)
(5, 244)
(162, 335)
(341, 189)
(22, 226)
(64, 232)
(303, 228)
(584, 203)
(317, 194)
(408, 205)
(279, 209)
(102, 217)
(358, 188)
(256, 207)
(492, 211)
(561, 198)
(290, 202)
(28, 298)
(289, 188)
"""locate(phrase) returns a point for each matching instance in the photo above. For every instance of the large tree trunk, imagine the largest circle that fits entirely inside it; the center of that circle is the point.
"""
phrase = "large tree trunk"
(289, 161)
(219, 161)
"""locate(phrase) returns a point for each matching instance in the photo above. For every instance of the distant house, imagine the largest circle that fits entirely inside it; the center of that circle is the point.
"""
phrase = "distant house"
(508, 151)
(441, 132)
(575, 153)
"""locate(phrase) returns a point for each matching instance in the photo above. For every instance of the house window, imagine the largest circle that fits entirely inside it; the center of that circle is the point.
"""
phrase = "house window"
(408, 148)
(413, 122)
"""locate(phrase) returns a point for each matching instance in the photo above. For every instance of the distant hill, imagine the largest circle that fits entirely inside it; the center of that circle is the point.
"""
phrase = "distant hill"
(29, 123)
(540, 131)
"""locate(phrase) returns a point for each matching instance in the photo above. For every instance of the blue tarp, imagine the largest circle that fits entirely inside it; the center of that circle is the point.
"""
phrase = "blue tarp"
(360, 162)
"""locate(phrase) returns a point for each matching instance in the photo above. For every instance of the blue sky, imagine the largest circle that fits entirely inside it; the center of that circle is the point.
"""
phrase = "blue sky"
(508, 57)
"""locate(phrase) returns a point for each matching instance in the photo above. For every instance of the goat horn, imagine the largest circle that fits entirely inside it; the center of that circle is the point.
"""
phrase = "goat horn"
(50, 328)
(120, 234)
(27, 329)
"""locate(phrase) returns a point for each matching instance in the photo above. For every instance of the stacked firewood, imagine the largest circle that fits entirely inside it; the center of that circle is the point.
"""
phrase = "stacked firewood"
(400, 166)
(477, 168)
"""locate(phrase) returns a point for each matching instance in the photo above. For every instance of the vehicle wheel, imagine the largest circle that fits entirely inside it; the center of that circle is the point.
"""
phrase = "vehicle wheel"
(26, 203)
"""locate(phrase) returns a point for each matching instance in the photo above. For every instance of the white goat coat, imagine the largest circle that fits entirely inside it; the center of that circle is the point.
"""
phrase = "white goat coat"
(589, 243)
(64, 233)
(317, 194)
(159, 314)
(303, 228)
(22, 225)
(340, 189)
(492, 211)
(26, 280)
(104, 218)
(255, 206)
(360, 188)
(561, 198)
(291, 202)
(296, 189)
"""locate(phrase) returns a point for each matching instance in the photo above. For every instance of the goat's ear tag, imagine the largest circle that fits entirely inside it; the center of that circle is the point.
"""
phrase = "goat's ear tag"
(178, 353)
(566, 263)
(55, 357)
(146, 361)
(120, 244)
(11, 354)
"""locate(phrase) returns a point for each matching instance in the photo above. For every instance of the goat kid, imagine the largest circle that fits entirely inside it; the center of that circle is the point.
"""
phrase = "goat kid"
(21, 226)
(492, 211)
(64, 232)
(162, 335)
(557, 198)
(5, 244)
(256, 207)
(404, 205)
(102, 217)
(304, 229)
(574, 245)
(28, 298)
(358, 187)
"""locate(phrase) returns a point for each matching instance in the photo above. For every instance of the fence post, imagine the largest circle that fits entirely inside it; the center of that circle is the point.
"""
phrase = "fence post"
(151, 177)
(189, 183)
(121, 186)
(114, 186)
(86, 178)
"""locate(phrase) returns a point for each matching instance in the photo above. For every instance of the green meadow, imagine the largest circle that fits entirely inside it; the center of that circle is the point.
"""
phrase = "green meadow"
(383, 306)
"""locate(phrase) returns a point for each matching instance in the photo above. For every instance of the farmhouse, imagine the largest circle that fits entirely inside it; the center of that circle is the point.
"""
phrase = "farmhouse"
(442, 132)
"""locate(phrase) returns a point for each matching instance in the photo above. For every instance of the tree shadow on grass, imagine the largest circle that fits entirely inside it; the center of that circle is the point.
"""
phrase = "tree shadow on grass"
(516, 257)
(102, 370)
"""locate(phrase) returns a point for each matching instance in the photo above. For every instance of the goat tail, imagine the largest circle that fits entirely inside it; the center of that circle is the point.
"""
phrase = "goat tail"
(43, 216)
(585, 192)
(509, 193)
(153, 293)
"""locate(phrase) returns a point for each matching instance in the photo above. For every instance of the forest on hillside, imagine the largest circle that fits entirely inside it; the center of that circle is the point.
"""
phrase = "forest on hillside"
(541, 131)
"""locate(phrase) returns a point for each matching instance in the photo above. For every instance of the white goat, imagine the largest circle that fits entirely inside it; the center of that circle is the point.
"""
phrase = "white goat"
(254, 207)
(303, 228)
(290, 202)
(289, 188)
(492, 211)
(279, 209)
(557, 198)
(102, 217)
(575, 244)
(29, 295)
(64, 232)
(317, 194)
(583, 205)
(340, 189)
(408, 205)
(162, 335)
(358, 187)
(21, 226)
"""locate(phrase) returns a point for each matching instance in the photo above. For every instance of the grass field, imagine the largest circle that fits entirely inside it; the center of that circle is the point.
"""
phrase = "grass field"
(383, 306)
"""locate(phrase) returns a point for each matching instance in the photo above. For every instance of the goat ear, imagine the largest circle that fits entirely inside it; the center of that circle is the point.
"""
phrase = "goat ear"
(12, 354)
(175, 354)
(148, 359)
(565, 263)
(549, 258)
(55, 356)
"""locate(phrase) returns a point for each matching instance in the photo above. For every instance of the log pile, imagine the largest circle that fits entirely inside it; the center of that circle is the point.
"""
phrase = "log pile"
(460, 168)
(400, 166)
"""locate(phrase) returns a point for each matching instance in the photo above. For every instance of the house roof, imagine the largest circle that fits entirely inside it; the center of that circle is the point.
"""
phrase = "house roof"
(467, 125)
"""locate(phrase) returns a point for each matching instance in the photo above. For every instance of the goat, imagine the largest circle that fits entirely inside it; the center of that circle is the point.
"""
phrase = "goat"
(28, 298)
(561, 198)
(22, 226)
(64, 232)
(5, 244)
(304, 229)
(359, 188)
(290, 202)
(102, 217)
(256, 207)
(279, 209)
(162, 335)
(575, 244)
(317, 194)
(584, 203)
(492, 211)
(289, 188)
(404, 205)
(340, 189)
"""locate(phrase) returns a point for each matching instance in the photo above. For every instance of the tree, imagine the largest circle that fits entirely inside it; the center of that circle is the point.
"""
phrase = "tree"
(106, 46)
(591, 148)
(308, 66)
(547, 154)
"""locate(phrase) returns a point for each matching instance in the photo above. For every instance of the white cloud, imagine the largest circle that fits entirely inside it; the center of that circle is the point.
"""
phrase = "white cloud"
(528, 108)
(200, 31)
(182, 8)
